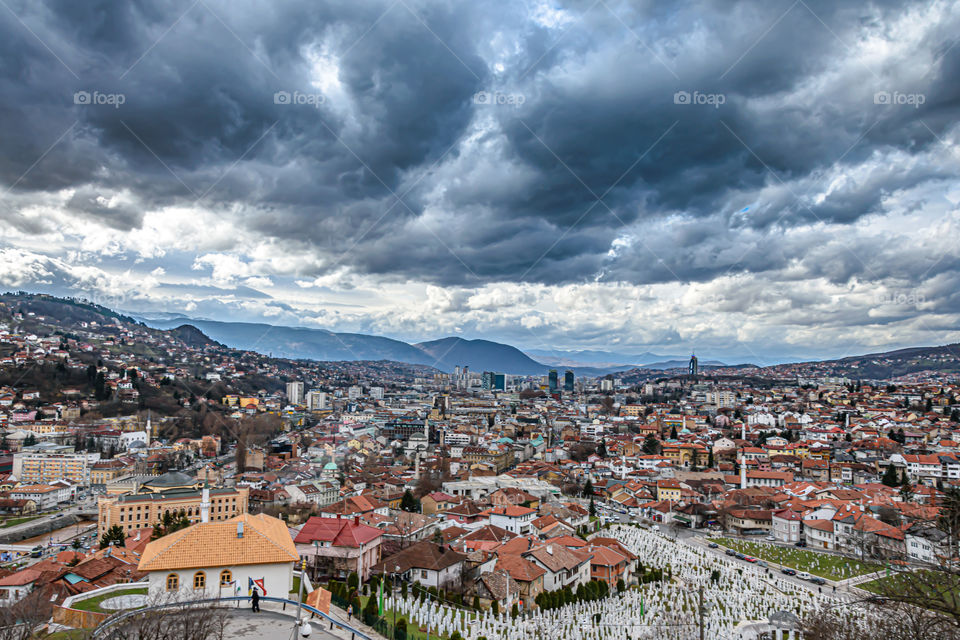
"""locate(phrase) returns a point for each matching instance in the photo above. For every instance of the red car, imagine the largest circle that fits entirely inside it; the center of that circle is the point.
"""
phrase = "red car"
(750, 559)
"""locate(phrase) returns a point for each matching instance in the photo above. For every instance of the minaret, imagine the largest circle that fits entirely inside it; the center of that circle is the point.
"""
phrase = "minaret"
(743, 471)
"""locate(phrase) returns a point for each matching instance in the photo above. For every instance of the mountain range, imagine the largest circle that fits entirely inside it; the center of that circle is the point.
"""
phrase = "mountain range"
(444, 354)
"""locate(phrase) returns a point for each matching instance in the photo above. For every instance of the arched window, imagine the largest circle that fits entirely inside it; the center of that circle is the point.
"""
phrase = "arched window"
(173, 582)
(225, 577)
(199, 580)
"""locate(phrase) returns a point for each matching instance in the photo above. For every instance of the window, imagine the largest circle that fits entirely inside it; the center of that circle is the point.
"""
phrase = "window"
(199, 580)
(173, 582)
(225, 577)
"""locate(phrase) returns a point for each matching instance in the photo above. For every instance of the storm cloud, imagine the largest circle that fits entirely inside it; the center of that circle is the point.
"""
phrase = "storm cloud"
(328, 164)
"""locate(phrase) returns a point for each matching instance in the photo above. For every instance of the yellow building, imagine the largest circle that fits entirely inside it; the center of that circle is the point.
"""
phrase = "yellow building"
(103, 471)
(44, 468)
(141, 510)
(669, 490)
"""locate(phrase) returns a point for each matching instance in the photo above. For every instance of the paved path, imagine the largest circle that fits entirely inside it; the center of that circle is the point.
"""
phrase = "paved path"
(268, 625)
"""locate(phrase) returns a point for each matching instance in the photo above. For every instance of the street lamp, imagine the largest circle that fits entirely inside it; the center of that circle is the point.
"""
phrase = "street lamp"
(393, 597)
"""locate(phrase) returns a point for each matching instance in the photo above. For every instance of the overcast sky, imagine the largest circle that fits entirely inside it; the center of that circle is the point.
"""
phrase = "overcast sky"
(768, 177)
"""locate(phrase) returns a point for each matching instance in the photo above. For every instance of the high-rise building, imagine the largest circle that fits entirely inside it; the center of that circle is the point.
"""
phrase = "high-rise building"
(568, 380)
(499, 382)
(353, 393)
(487, 380)
(694, 365)
(316, 400)
(295, 392)
(553, 381)
(376, 393)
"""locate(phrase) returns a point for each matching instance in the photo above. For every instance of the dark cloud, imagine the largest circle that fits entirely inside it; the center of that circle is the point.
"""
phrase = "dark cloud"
(490, 192)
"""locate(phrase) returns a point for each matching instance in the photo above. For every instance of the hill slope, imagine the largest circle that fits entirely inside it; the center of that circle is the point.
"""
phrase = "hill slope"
(480, 355)
(301, 342)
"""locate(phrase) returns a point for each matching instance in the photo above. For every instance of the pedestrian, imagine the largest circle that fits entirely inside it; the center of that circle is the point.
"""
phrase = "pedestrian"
(350, 612)
(255, 599)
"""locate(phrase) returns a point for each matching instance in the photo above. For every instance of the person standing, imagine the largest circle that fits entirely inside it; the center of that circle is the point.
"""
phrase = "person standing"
(350, 612)
(255, 600)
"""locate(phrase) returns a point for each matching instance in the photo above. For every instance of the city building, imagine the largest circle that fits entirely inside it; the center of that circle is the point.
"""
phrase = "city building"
(337, 547)
(214, 559)
(295, 393)
(44, 468)
(138, 510)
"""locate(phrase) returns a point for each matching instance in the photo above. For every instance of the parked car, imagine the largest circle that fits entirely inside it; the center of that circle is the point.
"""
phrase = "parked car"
(750, 559)
(787, 571)
(800, 543)
(818, 580)
(730, 552)
(803, 575)
(761, 563)
(740, 556)
(770, 538)
(713, 545)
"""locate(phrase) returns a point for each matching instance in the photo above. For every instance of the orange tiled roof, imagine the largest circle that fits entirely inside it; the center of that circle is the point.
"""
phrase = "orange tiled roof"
(265, 540)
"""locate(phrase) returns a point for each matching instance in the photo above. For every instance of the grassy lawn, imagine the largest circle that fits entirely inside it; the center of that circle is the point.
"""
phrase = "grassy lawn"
(72, 634)
(12, 522)
(936, 585)
(93, 604)
(824, 565)
(413, 631)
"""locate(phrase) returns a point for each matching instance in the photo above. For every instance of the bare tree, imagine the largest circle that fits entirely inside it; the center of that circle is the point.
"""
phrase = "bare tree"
(20, 620)
(189, 620)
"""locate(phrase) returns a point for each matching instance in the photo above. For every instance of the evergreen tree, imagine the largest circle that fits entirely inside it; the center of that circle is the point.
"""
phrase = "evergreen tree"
(495, 608)
(906, 489)
(115, 535)
(588, 488)
(890, 476)
(593, 507)
(710, 458)
(673, 433)
(409, 502)
(651, 446)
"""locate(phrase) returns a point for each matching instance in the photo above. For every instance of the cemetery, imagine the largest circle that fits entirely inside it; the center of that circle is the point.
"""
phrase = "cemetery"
(732, 601)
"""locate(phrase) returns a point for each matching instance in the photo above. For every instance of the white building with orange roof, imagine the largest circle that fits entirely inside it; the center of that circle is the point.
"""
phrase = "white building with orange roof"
(222, 558)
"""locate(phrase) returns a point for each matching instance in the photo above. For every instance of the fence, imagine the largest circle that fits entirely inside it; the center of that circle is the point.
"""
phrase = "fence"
(105, 630)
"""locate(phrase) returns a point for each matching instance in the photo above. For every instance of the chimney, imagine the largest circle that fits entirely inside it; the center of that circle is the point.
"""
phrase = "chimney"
(240, 529)
(356, 519)
(138, 535)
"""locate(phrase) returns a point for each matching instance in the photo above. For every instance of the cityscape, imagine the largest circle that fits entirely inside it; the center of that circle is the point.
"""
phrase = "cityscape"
(422, 320)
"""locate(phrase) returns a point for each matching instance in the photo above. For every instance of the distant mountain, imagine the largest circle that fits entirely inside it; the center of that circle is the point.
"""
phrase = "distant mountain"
(480, 355)
(681, 364)
(604, 359)
(302, 342)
